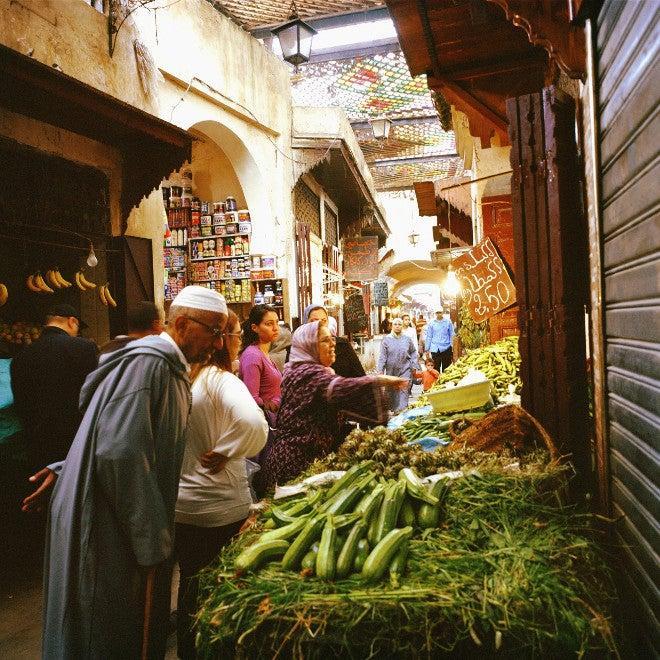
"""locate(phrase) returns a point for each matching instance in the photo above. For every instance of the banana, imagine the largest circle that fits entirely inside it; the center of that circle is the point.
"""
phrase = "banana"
(4, 294)
(78, 284)
(110, 300)
(29, 282)
(60, 278)
(102, 295)
(52, 280)
(39, 281)
(85, 282)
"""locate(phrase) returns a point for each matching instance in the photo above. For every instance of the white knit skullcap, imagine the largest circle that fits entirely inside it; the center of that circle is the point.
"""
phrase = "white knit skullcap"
(199, 297)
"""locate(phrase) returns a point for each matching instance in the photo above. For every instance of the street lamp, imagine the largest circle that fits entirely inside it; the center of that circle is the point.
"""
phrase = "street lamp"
(295, 38)
(381, 127)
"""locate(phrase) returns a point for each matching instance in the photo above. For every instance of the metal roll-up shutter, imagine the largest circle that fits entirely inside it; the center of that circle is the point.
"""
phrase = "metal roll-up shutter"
(628, 40)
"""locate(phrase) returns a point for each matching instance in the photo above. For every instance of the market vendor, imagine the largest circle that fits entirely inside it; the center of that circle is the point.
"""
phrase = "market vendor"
(313, 400)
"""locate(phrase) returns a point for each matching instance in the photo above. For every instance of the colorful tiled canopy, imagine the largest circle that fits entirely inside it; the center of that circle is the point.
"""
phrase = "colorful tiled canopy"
(420, 139)
(381, 85)
(252, 14)
(403, 175)
(365, 87)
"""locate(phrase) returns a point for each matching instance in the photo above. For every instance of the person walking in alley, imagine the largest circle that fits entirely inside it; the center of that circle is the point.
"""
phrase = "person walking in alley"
(398, 357)
(438, 340)
(111, 523)
(410, 330)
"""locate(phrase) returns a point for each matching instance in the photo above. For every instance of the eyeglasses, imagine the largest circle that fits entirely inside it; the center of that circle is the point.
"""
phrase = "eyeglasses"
(328, 340)
(234, 334)
(216, 333)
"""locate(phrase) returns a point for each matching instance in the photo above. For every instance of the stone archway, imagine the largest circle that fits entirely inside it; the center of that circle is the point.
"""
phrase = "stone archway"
(411, 272)
(253, 184)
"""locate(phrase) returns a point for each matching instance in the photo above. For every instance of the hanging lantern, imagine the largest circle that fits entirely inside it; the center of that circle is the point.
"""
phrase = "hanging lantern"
(381, 127)
(413, 238)
(295, 38)
(451, 286)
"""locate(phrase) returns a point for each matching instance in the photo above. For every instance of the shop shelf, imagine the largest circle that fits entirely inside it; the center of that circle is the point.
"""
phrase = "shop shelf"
(236, 256)
(223, 279)
(206, 238)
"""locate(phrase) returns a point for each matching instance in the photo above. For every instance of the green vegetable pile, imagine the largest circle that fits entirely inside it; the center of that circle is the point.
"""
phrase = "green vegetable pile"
(363, 525)
(472, 335)
(437, 426)
(500, 362)
(510, 572)
(389, 452)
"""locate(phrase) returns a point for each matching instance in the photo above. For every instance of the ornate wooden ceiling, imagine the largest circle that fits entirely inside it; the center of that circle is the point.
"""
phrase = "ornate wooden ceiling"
(478, 53)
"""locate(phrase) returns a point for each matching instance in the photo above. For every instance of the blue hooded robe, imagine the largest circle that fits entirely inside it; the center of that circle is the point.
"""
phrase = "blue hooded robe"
(112, 509)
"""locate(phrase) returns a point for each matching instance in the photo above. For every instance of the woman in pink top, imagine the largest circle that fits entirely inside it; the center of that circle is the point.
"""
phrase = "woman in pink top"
(257, 370)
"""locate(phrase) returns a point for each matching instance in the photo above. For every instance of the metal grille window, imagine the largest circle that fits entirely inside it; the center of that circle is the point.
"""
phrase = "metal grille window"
(307, 207)
(330, 227)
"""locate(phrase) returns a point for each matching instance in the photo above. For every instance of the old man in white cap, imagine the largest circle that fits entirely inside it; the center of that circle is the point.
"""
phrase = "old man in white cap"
(111, 522)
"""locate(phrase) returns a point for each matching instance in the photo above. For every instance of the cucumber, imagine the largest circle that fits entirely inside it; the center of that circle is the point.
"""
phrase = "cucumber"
(370, 501)
(407, 514)
(309, 560)
(398, 564)
(301, 544)
(348, 552)
(389, 511)
(346, 520)
(325, 559)
(346, 499)
(282, 518)
(258, 553)
(286, 532)
(361, 555)
(381, 556)
(415, 486)
(428, 516)
(348, 478)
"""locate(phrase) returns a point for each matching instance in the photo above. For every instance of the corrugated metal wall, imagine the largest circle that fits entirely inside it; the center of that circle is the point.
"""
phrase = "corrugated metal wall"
(628, 39)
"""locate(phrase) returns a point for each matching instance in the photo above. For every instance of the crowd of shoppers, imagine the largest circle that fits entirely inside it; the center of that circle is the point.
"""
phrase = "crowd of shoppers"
(143, 451)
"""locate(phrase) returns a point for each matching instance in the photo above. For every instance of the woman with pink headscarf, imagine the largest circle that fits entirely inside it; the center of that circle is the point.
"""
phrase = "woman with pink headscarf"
(314, 399)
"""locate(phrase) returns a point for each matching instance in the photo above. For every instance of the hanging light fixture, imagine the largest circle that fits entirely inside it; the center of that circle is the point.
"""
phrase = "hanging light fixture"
(413, 238)
(381, 127)
(295, 38)
(451, 286)
(92, 261)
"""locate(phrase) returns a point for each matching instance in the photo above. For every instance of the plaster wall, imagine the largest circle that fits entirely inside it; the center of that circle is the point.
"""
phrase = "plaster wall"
(200, 72)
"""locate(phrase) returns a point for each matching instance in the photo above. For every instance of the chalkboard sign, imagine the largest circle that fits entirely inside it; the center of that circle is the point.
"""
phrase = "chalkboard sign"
(360, 258)
(487, 287)
(381, 294)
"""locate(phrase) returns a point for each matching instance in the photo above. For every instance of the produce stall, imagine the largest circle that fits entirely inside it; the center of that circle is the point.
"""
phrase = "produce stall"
(445, 535)
(497, 566)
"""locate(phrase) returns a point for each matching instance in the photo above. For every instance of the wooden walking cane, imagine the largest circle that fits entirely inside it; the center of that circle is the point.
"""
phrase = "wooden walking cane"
(148, 603)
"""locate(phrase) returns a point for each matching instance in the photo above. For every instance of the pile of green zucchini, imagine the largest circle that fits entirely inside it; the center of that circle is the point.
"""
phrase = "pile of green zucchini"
(362, 525)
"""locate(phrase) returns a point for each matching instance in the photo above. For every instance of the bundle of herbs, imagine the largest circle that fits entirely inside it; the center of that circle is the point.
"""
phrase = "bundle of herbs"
(511, 571)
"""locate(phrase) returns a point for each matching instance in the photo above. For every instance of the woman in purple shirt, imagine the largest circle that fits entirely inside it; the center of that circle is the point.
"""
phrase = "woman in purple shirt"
(257, 370)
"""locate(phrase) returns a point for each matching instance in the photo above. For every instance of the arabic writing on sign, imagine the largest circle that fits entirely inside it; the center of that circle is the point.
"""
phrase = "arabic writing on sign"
(361, 258)
(487, 287)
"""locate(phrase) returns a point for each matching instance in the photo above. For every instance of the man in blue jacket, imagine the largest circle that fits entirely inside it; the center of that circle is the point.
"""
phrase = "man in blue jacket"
(439, 337)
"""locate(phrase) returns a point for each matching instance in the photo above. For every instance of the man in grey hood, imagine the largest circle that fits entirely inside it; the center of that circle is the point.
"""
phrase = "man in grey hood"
(111, 521)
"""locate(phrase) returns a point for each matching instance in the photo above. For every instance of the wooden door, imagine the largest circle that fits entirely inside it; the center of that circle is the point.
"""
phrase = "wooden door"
(132, 277)
(551, 269)
(303, 266)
